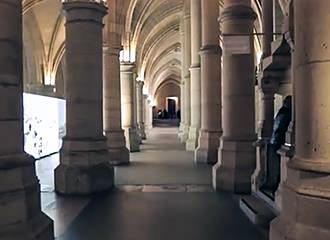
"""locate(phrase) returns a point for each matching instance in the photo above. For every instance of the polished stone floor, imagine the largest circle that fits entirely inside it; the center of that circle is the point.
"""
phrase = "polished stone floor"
(162, 194)
(163, 160)
(162, 216)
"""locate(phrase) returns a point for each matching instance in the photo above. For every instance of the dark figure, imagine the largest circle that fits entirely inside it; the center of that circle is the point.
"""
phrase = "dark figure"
(165, 114)
(178, 114)
(281, 124)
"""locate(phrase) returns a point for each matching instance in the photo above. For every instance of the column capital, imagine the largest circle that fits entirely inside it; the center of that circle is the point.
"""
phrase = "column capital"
(78, 11)
(112, 50)
(210, 49)
(238, 12)
(127, 67)
(139, 84)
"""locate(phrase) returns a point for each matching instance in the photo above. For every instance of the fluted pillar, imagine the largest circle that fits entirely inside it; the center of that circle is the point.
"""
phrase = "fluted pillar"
(305, 192)
(209, 140)
(140, 109)
(119, 154)
(195, 75)
(127, 100)
(21, 217)
(186, 66)
(237, 153)
(84, 158)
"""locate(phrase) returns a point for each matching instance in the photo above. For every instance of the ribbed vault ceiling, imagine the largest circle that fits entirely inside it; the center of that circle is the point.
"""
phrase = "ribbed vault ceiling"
(149, 30)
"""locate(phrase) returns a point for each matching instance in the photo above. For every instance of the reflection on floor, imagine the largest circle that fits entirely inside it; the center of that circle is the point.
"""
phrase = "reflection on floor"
(63, 210)
(162, 216)
(161, 195)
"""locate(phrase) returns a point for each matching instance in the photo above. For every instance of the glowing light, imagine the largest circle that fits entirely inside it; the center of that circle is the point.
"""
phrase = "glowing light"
(49, 78)
(145, 90)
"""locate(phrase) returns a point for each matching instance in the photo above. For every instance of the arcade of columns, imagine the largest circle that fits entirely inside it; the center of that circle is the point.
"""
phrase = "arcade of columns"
(217, 103)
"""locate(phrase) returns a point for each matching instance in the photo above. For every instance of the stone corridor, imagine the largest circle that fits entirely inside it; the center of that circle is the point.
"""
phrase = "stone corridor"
(161, 195)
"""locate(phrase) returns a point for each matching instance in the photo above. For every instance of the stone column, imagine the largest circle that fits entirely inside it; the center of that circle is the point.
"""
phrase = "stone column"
(267, 88)
(20, 207)
(288, 149)
(135, 106)
(148, 113)
(186, 66)
(209, 140)
(305, 193)
(140, 109)
(182, 89)
(182, 105)
(237, 153)
(84, 158)
(127, 101)
(195, 75)
(267, 22)
(119, 154)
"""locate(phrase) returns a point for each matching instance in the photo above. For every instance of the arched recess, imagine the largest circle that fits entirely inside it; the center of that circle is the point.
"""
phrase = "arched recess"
(169, 88)
(162, 75)
(43, 35)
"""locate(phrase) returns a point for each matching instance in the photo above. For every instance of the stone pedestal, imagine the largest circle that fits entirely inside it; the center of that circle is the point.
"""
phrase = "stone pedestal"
(84, 158)
(209, 140)
(119, 154)
(127, 101)
(195, 75)
(21, 217)
(185, 69)
(140, 109)
(237, 152)
(305, 192)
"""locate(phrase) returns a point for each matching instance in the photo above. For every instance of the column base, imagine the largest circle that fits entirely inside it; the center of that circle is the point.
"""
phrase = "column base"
(287, 153)
(148, 127)
(259, 174)
(138, 130)
(119, 154)
(142, 131)
(132, 139)
(181, 129)
(207, 151)
(236, 163)
(21, 217)
(185, 134)
(84, 168)
(192, 142)
(305, 207)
